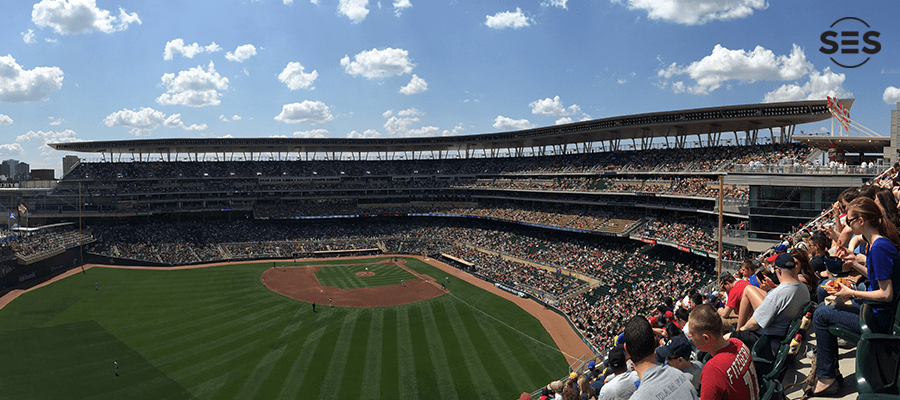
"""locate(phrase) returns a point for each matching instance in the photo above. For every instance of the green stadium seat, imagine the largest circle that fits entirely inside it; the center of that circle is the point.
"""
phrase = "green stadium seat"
(878, 367)
(771, 390)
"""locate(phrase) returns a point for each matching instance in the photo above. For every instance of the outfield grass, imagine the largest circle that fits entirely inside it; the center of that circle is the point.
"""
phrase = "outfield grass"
(344, 276)
(218, 333)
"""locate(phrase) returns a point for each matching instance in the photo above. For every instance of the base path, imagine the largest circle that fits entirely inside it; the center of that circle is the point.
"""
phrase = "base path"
(568, 341)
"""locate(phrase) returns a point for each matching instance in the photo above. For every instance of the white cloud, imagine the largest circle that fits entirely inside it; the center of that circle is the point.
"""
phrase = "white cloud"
(235, 117)
(508, 19)
(5, 120)
(378, 63)
(509, 124)
(400, 125)
(144, 121)
(194, 87)
(416, 85)
(354, 9)
(311, 134)
(459, 129)
(368, 134)
(553, 107)
(316, 2)
(49, 137)
(399, 5)
(555, 3)
(819, 86)
(696, 12)
(28, 37)
(174, 121)
(176, 46)
(307, 112)
(294, 77)
(286, 2)
(56, 121)
(79, 16)
(564, 120)
(891, 95)
(724, 65)
(241, 53)
(9, 150)
(18, 85)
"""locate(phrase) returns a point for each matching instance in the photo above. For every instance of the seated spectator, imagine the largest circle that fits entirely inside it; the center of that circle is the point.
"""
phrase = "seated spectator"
(753, 296)
(657, 380)
(730, 373)
(624, 382)
(883, 270)
(677, 352)
(735, 290)
(780, 306)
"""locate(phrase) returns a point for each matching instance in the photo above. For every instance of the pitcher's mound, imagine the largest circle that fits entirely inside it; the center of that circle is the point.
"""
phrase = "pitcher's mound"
(365, 273)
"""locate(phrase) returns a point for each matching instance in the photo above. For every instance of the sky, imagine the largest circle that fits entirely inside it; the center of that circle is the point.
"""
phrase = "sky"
(87, 70)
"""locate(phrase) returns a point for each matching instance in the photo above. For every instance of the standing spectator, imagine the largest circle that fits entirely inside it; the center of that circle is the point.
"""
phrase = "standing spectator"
(717, 381)
(658, 381)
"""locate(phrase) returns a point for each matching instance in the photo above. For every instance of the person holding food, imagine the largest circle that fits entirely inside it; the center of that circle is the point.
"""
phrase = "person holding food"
(865, 218)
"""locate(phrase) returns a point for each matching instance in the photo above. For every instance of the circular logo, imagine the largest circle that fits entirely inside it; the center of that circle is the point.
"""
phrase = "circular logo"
(850, 42)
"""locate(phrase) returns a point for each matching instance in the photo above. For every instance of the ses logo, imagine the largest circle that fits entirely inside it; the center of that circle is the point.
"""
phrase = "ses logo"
(846, 42)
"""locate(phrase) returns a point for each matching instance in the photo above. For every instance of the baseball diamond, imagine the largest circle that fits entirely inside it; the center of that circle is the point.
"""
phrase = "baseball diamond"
(217, 332)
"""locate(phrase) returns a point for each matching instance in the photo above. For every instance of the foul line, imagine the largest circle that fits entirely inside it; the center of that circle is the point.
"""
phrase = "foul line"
(510, 327)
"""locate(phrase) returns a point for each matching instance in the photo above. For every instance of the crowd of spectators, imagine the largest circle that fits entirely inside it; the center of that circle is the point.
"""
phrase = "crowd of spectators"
(27, 244)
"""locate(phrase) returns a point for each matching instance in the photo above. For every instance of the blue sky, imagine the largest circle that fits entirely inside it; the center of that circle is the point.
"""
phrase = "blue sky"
(75, 70)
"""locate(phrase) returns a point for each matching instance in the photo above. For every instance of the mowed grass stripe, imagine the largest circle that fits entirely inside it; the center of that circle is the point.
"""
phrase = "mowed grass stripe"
(349, 383)
(313, 379)
(267, 364)
(503, 372)
(530, 353)
(390, 385)
(290, 388)
(171, 351)
(373, 348)
(446, 338)
(300, 333)
(334, 372)
(488, 382)
(406, 353)
(512, 361)
(435, 380)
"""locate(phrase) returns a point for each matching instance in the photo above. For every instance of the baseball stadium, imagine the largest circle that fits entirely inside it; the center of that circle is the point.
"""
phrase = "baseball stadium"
(465, 267)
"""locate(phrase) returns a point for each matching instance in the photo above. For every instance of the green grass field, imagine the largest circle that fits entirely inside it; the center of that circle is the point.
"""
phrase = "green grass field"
(344, 276)
(218, 333)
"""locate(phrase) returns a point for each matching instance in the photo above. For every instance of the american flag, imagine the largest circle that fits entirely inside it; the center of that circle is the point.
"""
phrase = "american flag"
(22, 208)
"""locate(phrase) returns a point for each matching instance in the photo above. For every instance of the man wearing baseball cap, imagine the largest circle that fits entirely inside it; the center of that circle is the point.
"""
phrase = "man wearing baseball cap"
(779, 307)
(678, 354)
(624, 383)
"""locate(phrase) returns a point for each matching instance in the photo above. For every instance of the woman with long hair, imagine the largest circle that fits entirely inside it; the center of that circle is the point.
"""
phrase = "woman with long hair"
(885, 200)
(882, 268)
(807, 274)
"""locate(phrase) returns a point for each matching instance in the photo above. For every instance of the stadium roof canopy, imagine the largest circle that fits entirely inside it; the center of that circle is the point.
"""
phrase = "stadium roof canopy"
(607, 134)
(849, 144)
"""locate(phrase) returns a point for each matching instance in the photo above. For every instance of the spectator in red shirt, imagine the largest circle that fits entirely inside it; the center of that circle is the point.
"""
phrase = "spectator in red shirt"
(729, 374)
(735, 290)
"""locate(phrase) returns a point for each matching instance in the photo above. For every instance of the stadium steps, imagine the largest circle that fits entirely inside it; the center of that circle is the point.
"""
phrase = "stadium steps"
(800, 369)
(224, 252)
